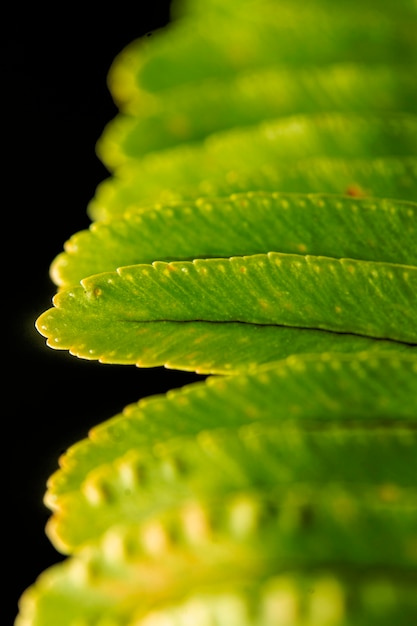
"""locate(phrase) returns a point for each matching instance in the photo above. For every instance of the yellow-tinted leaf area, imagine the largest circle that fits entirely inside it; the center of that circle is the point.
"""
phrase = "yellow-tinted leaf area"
(258, 226)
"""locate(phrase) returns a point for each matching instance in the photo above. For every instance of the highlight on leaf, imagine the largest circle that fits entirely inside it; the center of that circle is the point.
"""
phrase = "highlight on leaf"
(257, 227)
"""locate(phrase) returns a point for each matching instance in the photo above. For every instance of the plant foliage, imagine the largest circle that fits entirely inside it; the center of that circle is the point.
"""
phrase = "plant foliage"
(258, 226)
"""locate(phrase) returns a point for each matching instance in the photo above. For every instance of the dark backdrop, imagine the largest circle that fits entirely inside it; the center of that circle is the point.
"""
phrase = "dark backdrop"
(56, 104)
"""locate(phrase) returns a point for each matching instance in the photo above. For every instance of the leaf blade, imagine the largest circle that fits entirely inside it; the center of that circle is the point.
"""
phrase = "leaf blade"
(133, 568)
(341, 295)
(252, 223)
(278, 143)
(186, 114)
(302, 389)
(221, 462)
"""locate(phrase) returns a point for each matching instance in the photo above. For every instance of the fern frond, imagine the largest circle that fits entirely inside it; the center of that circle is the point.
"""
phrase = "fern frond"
(259, 224)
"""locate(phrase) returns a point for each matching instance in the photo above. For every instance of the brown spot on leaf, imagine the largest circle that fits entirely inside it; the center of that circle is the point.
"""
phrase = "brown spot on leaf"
(355, 191)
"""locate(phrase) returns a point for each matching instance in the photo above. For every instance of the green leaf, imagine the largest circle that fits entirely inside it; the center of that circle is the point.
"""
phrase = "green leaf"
(215, 464)
(234, 8)
(374, 299)
(374, 600)
(375, 230)
(389, 177)
(204, 347)
(300, 532)
(275, 143)
(216, 45)
(282, 491)
(187, 113)
(365, 388)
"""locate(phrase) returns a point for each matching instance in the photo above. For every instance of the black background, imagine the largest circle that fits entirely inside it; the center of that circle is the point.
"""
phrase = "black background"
(56, 104)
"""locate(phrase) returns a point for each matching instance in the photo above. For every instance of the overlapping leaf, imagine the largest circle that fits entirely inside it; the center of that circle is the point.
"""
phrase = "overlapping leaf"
(220, 44)
(189, 114)
(253, 223)
(259, 222)
(101, 480)
(371, 299)
(282, 142)
(233, 545)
